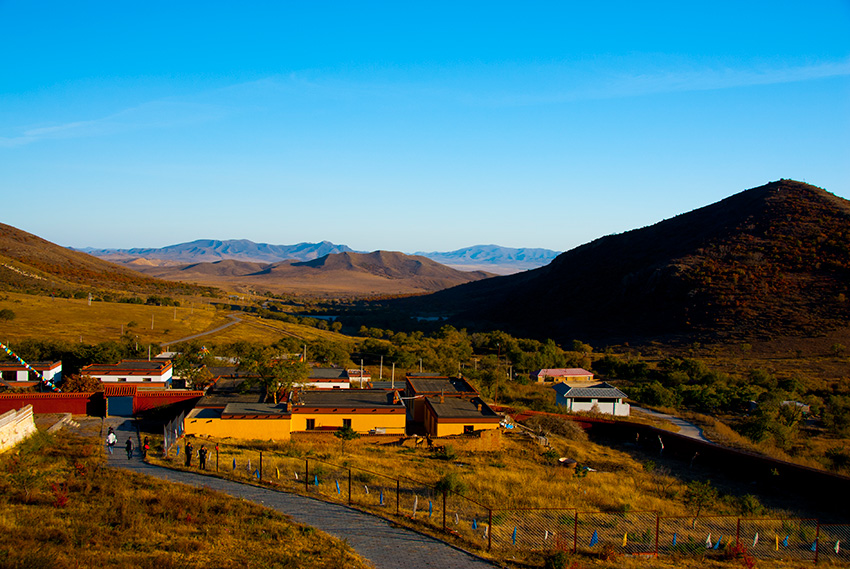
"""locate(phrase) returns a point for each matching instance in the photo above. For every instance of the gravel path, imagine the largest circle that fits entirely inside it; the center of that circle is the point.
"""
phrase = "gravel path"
(385, 545)
(686, 428)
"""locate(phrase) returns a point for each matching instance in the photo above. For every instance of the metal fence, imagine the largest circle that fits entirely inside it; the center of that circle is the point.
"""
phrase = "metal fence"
(533, 529)
(172, 431)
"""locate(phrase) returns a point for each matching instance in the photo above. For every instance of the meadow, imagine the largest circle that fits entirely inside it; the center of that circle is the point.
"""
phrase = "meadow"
(61, 507)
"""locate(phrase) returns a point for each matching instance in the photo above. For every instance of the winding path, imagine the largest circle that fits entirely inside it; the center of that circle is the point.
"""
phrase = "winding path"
(236, 320)
(686, 428)
(382, 543)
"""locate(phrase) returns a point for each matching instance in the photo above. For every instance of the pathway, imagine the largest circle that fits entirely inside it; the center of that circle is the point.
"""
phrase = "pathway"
(686, 428)
(236, 320)
(384, 544)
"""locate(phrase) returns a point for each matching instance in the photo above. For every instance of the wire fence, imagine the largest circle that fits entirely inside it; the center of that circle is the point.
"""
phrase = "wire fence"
(534, 529)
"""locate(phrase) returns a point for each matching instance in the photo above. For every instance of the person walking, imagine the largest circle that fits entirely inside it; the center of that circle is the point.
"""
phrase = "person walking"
(146, 447)
(189, 450)
(202, 457)
(111, 439)
(129, 447)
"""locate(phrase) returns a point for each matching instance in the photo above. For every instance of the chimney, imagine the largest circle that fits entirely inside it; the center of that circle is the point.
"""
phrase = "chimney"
(478, 407)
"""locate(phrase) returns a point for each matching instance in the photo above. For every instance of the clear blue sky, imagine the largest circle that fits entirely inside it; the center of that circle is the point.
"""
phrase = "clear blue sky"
(410, 126)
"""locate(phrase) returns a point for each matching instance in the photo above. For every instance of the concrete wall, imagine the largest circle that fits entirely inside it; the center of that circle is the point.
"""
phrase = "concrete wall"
(205, 424)
(74, 403)
(392, 423)
(15, 426)
(609, 406)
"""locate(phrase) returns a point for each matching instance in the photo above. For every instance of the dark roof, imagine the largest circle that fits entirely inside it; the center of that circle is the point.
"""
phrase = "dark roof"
(437, 385)
(10, 365)
(457, 408)
(127, 365)
(119, 390)
(224, 399)
(327, 373)
(224, 384)
(598, 391)
(254, 409)
(354, 398)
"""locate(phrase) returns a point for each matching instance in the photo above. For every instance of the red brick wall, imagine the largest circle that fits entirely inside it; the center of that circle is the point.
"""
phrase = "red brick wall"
(75, 403)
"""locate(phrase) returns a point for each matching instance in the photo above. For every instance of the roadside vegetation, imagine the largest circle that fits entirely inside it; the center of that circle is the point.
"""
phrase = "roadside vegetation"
(61, 507)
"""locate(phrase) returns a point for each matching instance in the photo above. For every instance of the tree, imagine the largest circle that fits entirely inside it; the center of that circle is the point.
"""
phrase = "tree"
(344, 435)
(7, 314)
(275, 374)
(81, 384)
(698, 495)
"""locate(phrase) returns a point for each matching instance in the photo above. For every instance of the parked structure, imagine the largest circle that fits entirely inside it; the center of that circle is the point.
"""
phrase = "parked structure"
(155, 374)
(601, 398)
(14, 371)
(562, 374)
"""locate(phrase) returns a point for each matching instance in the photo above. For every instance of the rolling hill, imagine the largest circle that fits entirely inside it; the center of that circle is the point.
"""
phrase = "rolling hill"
(30, 263)
(766, 262)
(493, 258)
(339, 274)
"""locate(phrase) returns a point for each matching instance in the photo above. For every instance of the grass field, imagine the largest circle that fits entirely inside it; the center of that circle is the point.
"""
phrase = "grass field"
(59, 507)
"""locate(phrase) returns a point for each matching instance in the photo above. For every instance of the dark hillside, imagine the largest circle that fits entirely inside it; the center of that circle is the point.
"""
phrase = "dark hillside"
(772, 260)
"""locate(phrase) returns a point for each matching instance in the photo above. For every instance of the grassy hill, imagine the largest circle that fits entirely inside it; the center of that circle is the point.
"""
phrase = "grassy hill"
(30, 263)
(766, 262)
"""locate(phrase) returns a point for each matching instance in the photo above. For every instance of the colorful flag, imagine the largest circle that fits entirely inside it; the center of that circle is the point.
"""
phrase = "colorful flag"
(296, 475)
(430, 508)
(513, 537)
(277, 473)
(785, 541)
(415, 505)
(315, 479)
(474, 524)
(625, 539)
(837, 546)
(717, 543)
(381, 501)
(546, 536)
(366, 488)
(234, 464)
(257, 473)
(777, 542)
(337, 487)
(756, 539)
(594, 539)
(814, 546)
(708, 541)
(674, 538)
(457, 519)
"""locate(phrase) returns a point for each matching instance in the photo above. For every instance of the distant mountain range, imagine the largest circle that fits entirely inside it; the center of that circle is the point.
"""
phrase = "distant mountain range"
(490, 258)
(337, 274)
(769, 262)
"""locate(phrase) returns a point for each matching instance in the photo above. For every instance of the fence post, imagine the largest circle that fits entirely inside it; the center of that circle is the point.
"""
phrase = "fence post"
(575, 533)
(444, 509)
(349, 486)
(261, 466)
(397, 494)
(657, 529)
(307, 475)
(817, 543)
(489, 529)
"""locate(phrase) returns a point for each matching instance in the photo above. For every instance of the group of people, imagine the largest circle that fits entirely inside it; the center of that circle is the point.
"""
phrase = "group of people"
(112, 439)
(202, 455)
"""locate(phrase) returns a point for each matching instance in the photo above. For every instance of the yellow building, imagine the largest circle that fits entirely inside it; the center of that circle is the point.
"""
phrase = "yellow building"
(258, 421)
(364, 410)
(445, 416)
(418, 386)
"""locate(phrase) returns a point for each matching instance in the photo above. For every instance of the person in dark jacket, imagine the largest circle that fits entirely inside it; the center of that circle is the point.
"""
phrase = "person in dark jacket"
(129, 447)
(202, 457)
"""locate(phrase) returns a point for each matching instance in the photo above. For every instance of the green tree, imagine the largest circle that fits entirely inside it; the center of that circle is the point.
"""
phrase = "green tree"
(344, 435)
(7, 314)
(273, 373)
(699, 495)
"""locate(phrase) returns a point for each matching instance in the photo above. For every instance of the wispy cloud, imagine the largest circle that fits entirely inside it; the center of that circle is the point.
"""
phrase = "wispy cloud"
(151, 115)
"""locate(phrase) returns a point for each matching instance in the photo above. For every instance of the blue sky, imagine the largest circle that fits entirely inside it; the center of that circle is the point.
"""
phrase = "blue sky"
(409, 126)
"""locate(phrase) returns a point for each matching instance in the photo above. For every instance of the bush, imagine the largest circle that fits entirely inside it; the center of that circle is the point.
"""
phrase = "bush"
(451, 484)
(545, 425)
(7, 314)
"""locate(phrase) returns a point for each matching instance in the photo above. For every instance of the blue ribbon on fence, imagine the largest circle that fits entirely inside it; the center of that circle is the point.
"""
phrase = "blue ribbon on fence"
(382, 498)
(316, 479)
(785, 541)
(474, 524)
(257, 473)
(814, 546)
(430, 508)
(594, 539)
(717, 545)
(234, 464)
(674, 538)
(337, 487)
(513, 538)
(178, 451)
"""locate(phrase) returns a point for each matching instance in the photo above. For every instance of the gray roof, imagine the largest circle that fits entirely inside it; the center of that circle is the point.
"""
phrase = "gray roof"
(224, 399)
(255, 409)
(353, 398)
(328, 373)
(598, 391)
(436, 385)
(457, 408)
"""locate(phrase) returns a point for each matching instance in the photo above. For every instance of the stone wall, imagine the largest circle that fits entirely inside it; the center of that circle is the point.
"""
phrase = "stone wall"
(15, 426)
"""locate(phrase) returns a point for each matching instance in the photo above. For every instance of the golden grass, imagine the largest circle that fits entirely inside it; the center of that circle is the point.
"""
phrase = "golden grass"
(60, 508)
(75, 320)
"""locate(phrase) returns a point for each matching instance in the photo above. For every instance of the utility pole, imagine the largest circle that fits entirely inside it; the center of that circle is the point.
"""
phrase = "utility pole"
(381, 373)
(361, 373)
(151, 321)
(420, 365)
(392, 385)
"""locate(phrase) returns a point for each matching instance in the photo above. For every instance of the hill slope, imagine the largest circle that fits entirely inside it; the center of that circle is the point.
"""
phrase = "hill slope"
(493, 258)
(350, 274)
(773, 260)
(30, 263)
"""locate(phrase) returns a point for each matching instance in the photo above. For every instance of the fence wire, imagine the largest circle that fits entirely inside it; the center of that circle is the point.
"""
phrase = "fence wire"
(783, 539)
(630, 533)
(534, 529)
(690, 535)
(833, 547)
(468, 519)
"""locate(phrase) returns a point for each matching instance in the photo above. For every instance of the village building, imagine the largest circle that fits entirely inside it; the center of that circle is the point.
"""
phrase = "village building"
(14, 371)
(327, 378)
(375, 411)
(418, 386)
(446, 416)
(147, 374)
(600, 398)
(562, 374)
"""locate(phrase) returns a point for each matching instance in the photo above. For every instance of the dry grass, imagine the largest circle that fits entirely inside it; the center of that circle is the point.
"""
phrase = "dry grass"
(60, 508)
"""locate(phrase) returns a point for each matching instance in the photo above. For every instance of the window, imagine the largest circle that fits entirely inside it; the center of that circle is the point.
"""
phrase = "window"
(311, 424)
(467, 429)
(582, 399)
(346, 423)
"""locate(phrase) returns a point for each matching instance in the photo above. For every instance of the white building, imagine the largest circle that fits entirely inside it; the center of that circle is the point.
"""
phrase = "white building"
(601, 398)
(13, 371)
(150, 374)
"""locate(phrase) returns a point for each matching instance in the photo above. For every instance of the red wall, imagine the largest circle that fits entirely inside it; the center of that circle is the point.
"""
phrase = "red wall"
(75, 403)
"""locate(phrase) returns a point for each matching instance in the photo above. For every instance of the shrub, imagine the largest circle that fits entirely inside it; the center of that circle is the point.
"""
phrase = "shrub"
(7, 314)
(545, 425)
